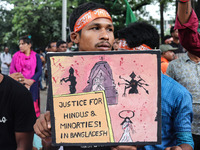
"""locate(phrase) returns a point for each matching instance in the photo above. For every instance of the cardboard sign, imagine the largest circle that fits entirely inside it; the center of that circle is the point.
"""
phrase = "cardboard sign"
(82, 117)
(105, 98)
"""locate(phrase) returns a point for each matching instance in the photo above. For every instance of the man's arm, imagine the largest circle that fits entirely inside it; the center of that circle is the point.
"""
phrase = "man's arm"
(180, 147)
(184, 11)
(24, 140)
(42, 128)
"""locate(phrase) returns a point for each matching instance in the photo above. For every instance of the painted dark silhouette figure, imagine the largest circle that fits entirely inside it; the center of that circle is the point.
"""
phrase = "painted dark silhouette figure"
(72, 79)
(127, 127)
(101, 79)
(133, 84)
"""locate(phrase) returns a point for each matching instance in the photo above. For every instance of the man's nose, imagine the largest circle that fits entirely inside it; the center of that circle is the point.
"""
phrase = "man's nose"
(104, 34)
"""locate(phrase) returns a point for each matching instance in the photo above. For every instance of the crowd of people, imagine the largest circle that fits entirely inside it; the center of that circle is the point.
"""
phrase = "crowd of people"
(21, 77)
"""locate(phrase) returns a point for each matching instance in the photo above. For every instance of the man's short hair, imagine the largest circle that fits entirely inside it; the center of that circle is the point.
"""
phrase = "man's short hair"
(139, 33)
(49, 45)
(81, 9)
(5, 47)
(172, 29)
(60, 42)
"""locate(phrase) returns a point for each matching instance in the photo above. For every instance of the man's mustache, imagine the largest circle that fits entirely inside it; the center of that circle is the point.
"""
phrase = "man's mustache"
(103, 43)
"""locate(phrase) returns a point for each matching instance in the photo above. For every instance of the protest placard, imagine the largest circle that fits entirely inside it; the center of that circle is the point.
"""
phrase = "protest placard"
(105, 98)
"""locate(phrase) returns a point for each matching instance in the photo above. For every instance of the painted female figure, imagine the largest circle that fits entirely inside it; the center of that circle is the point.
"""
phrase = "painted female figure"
(127, 127)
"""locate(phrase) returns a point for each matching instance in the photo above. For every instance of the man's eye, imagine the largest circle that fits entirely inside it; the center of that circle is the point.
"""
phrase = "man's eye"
(110, 29)
(95, 28)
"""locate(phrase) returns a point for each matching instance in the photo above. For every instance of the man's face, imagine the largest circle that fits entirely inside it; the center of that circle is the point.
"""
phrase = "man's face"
(53, 47)
(62, 47)
(6, 50)
(70, 44)
(175, 34)
(96, 36)
(169, 55)
(116, 44)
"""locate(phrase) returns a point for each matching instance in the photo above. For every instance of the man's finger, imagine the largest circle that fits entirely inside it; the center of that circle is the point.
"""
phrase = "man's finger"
(48, 119)
(40, 129)
(41, 126)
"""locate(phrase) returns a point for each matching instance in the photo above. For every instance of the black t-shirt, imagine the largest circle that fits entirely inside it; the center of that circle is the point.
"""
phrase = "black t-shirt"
(17, 112)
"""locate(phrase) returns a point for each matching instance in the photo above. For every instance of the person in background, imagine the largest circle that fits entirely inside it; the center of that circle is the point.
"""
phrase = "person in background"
(189, 65)
(187, 24)
(185, 70)
(61, 46)
(26, 67)
(52, 46)
(5, 61)
(42, 57)
(176, 101)
(167, 55)
(138, 36)
(176, 43)
(17, 115)
(168, 39)
(115, 44)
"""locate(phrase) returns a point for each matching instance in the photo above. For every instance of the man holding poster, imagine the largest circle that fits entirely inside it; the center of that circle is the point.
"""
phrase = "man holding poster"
(90, 34)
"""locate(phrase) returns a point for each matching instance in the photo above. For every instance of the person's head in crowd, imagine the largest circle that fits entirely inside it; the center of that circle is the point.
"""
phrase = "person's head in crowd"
(167, 39)
(25, 44)
(167, 52)
(52, 46)
(139, 36)
(6, 49)
(39, 50)
(116, 44)
(93, 33)
(61, 46)
(174, 33)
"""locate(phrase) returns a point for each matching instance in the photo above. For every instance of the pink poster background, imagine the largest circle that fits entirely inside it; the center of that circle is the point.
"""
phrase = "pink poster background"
(142, 104)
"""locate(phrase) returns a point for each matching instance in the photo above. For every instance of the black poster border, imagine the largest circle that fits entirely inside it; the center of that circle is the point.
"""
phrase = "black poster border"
(71, 54)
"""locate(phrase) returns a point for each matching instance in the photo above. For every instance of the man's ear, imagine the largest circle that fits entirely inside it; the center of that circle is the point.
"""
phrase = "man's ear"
(75, 37)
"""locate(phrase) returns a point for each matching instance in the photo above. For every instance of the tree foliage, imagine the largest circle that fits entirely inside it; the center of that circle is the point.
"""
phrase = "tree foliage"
(42, 19)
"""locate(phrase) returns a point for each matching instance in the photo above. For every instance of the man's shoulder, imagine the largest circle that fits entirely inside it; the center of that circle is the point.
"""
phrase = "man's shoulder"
(179, 61)
(173, 44)
(171, 84)
(13, 86)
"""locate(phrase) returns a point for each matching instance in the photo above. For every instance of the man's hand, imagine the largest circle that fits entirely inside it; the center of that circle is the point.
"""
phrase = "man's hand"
(42, 127)
(17, 76)
(174, 148)
(124, 148)
(180, 147)
(28, 82)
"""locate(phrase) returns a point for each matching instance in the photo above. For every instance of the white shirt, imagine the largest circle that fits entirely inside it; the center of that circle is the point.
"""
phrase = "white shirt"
(5, 58)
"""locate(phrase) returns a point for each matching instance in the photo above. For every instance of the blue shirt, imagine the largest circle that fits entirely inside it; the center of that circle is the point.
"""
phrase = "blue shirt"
(176, 114)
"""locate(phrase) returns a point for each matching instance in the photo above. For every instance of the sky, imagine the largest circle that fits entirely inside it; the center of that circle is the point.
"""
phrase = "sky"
(154, 11)
(6, 5)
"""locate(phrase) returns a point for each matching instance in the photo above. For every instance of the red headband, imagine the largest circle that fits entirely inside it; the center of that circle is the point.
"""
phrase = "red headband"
(123, 45)
(89, 16)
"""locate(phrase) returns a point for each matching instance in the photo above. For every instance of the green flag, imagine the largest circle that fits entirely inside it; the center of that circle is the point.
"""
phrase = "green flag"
(130, 17)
